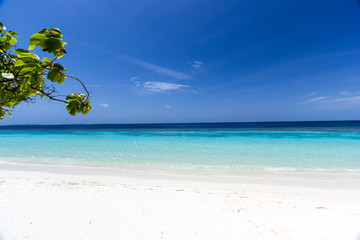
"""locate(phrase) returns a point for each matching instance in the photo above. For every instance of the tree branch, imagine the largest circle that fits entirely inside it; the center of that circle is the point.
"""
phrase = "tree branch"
(87, 92)
(49, 95)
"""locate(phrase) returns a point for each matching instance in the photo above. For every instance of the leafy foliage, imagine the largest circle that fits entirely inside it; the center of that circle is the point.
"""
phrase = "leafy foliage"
(23, 74)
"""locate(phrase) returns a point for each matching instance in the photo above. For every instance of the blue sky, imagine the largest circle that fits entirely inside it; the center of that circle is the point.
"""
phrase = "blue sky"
(199, 61)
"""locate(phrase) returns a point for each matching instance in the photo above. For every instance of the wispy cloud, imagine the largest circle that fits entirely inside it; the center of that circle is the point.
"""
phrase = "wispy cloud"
(338, 102)
(156, 68)
(159, 87)
(196, 64)
(167, 106)
(104, 105)
(313, 100)
(345, 93)
(147, 65)
(355, 99)
(311, 94)
(134, 78)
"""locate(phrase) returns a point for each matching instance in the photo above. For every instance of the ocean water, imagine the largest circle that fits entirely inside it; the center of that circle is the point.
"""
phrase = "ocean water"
(288, 146)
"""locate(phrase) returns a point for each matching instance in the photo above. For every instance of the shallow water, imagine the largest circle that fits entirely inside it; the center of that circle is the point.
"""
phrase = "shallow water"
(291, 149)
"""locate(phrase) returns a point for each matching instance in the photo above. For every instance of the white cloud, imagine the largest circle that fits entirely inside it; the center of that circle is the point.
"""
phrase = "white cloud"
(197, 64)
(340, 102)
(159, 87)
(311, 94)
(345, 93)
(157, 68)
(134, 78)
(167, 106)
(355, 99)
(105, 105)
(313, 100)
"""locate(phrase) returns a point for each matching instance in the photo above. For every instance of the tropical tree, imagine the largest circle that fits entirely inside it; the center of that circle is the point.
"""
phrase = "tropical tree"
(24, 76)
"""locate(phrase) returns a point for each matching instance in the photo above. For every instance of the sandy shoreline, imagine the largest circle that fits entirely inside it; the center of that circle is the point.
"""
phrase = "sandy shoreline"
(62, 204)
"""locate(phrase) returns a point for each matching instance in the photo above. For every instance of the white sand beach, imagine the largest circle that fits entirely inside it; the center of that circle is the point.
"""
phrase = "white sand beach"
(41, 205)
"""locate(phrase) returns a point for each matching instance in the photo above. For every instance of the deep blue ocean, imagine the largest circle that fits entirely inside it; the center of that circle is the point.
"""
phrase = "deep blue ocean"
(289, 146)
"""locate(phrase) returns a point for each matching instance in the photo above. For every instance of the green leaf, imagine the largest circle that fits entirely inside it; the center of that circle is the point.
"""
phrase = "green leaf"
(55, 32)
(35, 40)
(62, 79)
(52, 75)
(2, 113)
(51, 32)
(9, 113)
(27, 65)
(85, 107)
(26, 61)
(59, 66)
(55, 76)
(76, 97)
(73, 107)
(28, 55)
(7, 75)
(25, 86)
(52, 45)
(47, 59)
(21, 50)
(5, 39)
(29, 69)
(6, 42)
(13, 41)
(36, 80)
(2, 27)
(12, 33)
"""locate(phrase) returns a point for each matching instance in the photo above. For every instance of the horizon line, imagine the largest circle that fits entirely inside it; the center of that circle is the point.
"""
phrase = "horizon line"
(84, 124)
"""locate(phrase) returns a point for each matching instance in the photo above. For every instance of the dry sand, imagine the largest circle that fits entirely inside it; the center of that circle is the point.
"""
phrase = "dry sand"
(41, 205)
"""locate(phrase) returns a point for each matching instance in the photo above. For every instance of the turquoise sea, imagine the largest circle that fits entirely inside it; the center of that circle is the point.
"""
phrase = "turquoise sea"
(288, 146)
